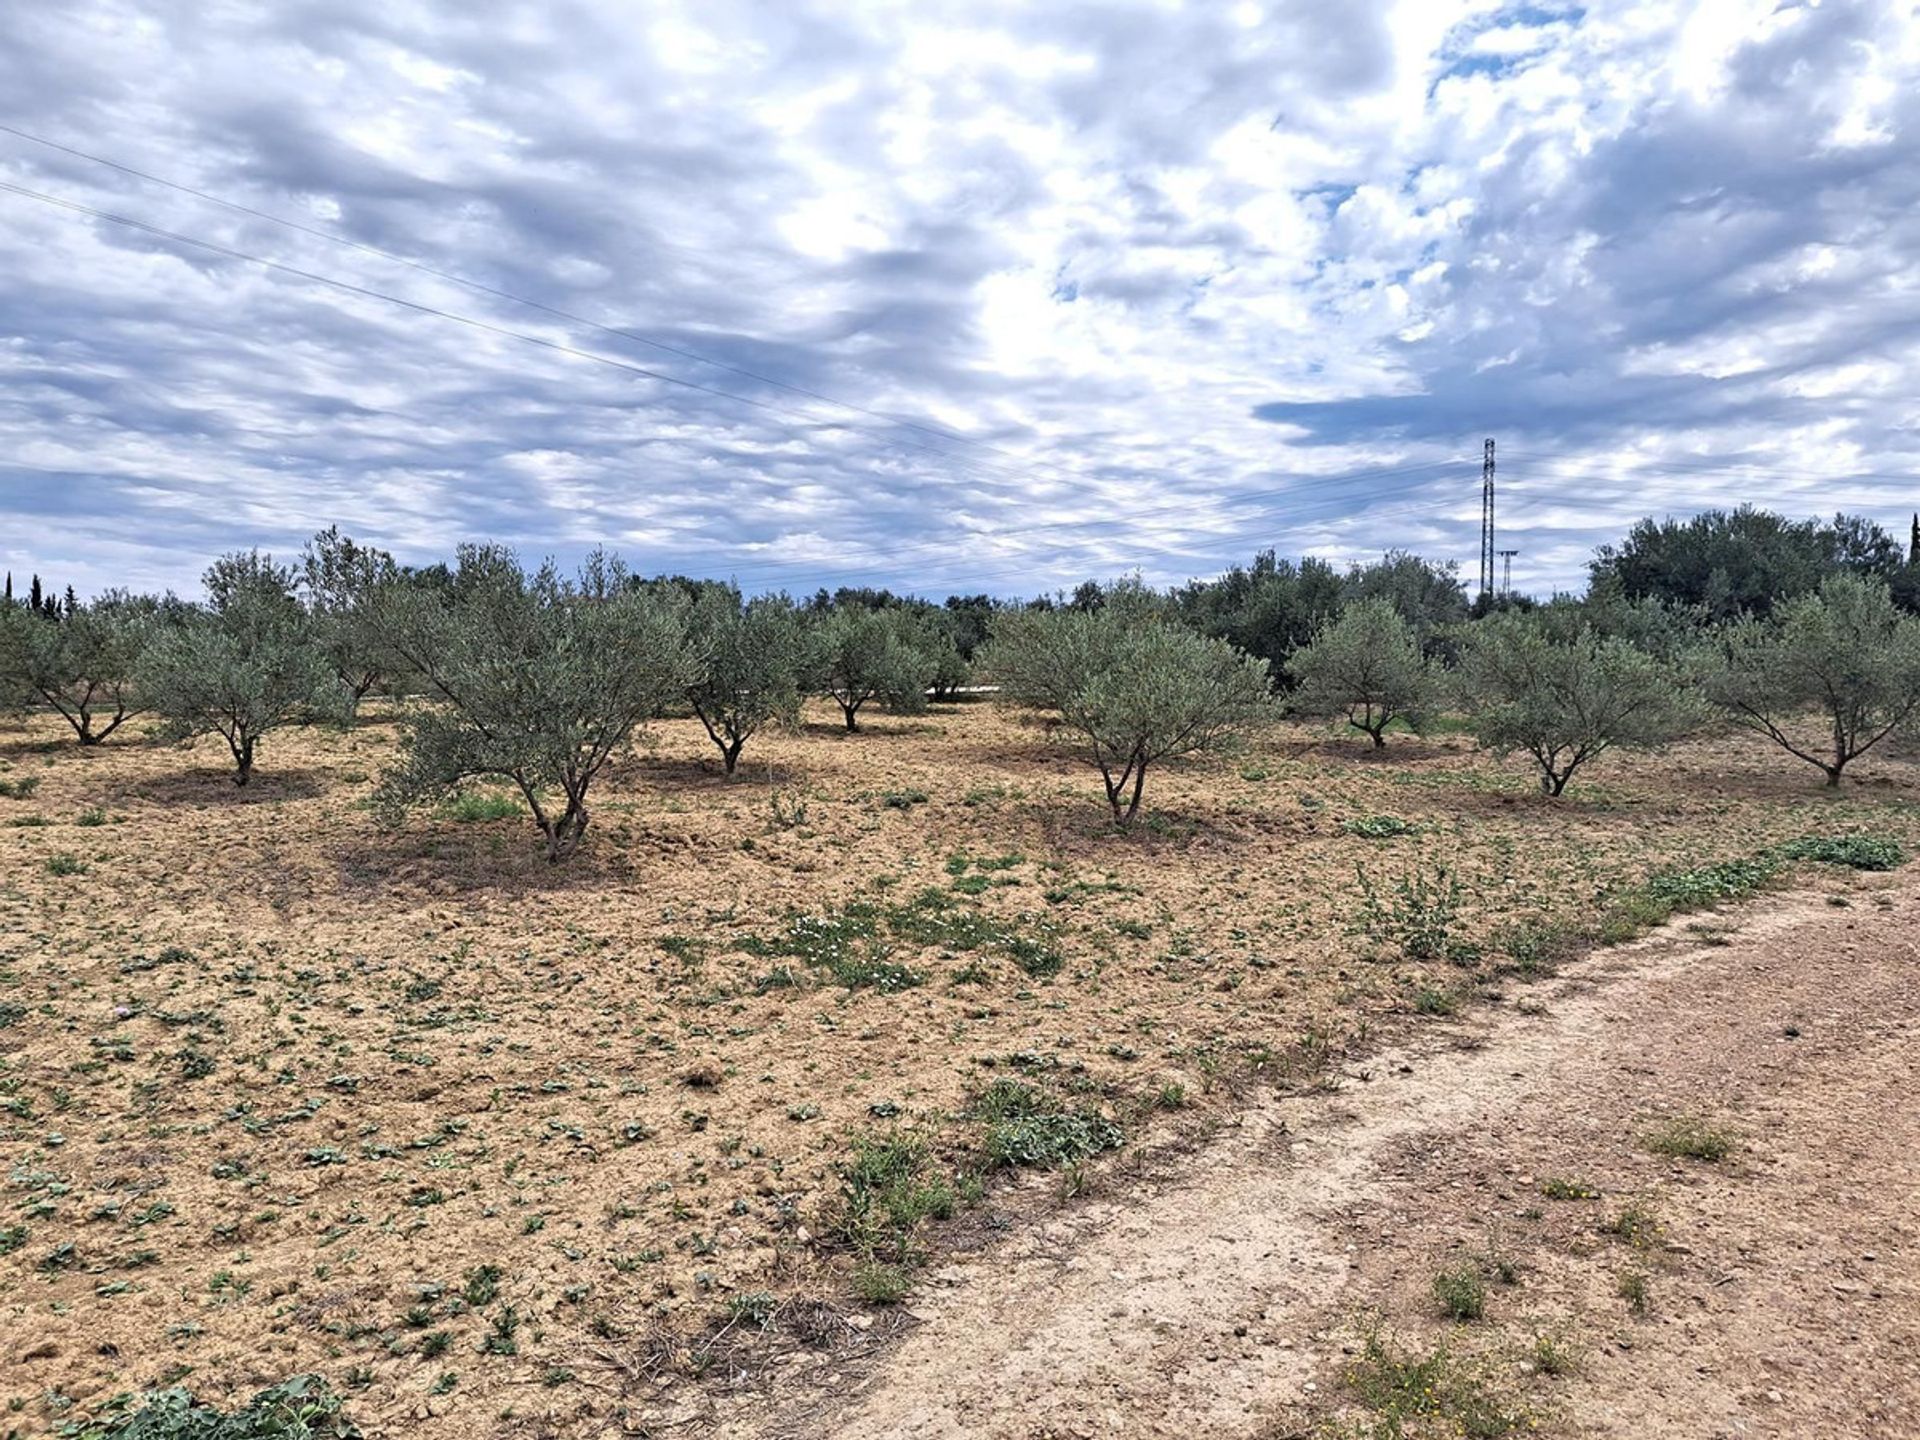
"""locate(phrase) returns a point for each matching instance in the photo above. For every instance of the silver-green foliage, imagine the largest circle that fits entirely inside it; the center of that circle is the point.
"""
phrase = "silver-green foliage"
(855, 655)
(1827, 677)
(1565, 695)
(1366, 662)
(242, 666)
(82, 665)
(747, 666)
(537, 678)
(1133, 686)
(344, 584)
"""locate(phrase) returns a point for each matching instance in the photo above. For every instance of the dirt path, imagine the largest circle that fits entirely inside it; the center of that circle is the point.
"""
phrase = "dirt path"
(1783, 1285)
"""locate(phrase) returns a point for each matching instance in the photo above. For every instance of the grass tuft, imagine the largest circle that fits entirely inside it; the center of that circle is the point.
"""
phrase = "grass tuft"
(1409, 1394)
(471, 806)
(1461, 1292)
(1688, 1137)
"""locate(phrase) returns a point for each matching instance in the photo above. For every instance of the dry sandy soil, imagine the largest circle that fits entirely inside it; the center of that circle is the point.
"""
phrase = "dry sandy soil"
(499, 1148)
(1783, 1281)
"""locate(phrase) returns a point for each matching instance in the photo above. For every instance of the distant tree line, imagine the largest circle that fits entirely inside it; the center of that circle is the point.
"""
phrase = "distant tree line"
(1723, 564)
(1803, 632)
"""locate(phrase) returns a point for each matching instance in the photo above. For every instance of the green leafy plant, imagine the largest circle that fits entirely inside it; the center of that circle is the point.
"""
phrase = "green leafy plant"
(470, 806)
(878, 1283)
(1418, 914)
(1435, 1393)
(1856, 852)
(1634, 1287)
(1025, 1126)
(888, 1187)
(302, 1408)
(1559, 1187)
(1376, 827)
(1636, 1223)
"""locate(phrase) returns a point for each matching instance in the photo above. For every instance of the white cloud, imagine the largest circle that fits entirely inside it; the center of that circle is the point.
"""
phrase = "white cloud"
(1153, 259)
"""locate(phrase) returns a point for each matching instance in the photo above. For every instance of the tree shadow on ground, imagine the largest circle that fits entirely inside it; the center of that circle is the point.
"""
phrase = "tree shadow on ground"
(213, 784)
(706, 772)
(445, 858)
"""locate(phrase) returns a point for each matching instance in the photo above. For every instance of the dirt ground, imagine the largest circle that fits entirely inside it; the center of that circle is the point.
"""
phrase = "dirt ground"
(507, 1149)
(1229, 1299)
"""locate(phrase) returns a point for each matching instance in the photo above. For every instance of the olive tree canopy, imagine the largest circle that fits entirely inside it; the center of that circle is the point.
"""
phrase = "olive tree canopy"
(1827, 678)
(242, 667)
(81, 664)
(856, 655)
(1133, 686)
(1565, 695)
(747, 666)
(538, 679)
(344, 582)
(1367, 664)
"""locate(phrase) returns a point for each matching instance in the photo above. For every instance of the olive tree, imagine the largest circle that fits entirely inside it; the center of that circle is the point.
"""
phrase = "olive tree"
(533, 678)
(1367, 663)
(1564, 694)
(1132, 686)
(81, 665)
(241, 667)
(856, 655)
(940, 640)
(1827, 677)
(344, 583)
(746, 662)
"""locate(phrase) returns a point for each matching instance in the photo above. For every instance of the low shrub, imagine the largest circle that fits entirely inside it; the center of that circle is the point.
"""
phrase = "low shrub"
(1418, 914)
(1028, 1127)
(1436, 1393)
(887, 1188)
(482, 805)
(302, 1408)
(1461, 1292)
(1688, 1137)
(1856, 852)
(1376, 827)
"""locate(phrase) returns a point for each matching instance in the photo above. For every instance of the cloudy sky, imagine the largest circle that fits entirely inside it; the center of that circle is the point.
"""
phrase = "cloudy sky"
(946, 296)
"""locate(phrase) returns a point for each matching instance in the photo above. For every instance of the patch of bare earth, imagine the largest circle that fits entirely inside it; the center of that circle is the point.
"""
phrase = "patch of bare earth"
(500, 1148)
(1782, 1283)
